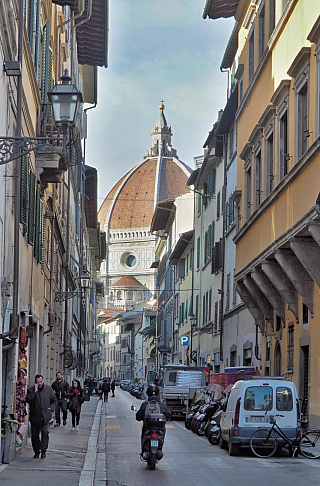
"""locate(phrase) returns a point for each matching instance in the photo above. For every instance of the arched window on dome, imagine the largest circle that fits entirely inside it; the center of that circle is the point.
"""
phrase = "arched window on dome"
(157, 153)
(121, 235)
(125, 235)
(140, 234)
(118, 235)
(144, 234)
(119, 295)
(132, 235)
(137, 234)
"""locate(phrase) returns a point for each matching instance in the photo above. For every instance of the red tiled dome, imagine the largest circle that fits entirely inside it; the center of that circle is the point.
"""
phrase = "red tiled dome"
(161, 175)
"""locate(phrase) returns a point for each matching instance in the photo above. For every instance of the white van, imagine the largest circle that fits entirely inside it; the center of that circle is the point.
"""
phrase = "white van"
(250, 404)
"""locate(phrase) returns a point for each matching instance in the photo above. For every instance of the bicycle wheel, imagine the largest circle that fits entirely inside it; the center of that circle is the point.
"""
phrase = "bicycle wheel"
(263, 443)
(310, 445)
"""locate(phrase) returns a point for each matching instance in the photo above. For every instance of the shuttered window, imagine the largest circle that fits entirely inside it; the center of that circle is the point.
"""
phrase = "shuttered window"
(182, 267)
(24, 183)
(198, 252)
(32, 208)
(39, 236)
(46, 71)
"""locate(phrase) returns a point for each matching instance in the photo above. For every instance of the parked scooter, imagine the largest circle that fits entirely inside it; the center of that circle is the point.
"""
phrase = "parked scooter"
(152, 440)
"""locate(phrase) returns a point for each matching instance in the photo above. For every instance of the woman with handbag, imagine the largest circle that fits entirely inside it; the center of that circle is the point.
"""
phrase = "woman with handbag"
(76, 399)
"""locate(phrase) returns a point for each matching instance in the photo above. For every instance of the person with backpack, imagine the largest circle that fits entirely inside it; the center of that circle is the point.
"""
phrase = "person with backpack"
(152, 403)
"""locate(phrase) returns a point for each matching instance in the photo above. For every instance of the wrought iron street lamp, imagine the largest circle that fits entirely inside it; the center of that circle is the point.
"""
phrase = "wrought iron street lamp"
(65, 100)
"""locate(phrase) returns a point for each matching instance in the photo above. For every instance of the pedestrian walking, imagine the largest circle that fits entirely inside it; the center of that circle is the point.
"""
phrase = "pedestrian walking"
(105, 390)
(113, 387)
(42, 402)
(60, 388)
(76, 399)
(100, 383)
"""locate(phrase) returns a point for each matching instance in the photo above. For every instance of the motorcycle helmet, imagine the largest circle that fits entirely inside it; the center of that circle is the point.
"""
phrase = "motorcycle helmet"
(152, 390)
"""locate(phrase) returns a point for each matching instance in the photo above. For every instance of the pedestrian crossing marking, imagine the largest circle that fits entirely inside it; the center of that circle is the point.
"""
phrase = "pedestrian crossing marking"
(111, 416)
(112, 427)
(170, 426)
(136, 426)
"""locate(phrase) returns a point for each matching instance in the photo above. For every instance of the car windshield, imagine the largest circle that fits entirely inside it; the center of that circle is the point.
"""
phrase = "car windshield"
(258, 398)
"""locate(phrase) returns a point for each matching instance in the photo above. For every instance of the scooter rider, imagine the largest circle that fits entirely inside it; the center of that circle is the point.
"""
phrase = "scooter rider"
(153, 395)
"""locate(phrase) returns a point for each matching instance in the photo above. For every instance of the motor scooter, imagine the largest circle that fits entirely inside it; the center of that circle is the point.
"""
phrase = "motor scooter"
(152, 439)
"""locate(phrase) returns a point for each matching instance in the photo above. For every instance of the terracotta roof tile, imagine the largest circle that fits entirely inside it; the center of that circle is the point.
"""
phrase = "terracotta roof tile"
(127, 281)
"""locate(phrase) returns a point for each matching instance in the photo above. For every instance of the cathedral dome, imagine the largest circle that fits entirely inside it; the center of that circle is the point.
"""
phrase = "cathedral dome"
(159, 176)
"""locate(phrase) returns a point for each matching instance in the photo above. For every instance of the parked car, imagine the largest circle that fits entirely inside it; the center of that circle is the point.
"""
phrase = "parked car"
(117, 382)
(249, 406)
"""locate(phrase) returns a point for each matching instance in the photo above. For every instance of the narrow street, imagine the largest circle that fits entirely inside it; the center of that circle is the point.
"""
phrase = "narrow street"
(189, 459)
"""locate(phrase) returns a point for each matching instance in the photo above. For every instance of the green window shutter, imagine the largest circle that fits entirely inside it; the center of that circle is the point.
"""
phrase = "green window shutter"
(191, 258)
(182, 267)
(37, 225)
(198, 252)
(186, 314)
(190, 306)
(24, 181)
(32, 208)
(41, 236)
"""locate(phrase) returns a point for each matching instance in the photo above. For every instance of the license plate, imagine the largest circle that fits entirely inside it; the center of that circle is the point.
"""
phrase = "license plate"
(257, 420)
(154, 443)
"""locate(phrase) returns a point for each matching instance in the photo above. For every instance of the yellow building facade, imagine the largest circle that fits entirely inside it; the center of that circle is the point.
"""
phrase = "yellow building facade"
(278, 142)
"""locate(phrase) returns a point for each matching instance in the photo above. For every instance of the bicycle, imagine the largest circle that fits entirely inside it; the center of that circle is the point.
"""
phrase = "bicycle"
(264, 443)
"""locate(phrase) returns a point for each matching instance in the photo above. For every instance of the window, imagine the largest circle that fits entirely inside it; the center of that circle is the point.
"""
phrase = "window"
(218, 205)
(300, 72)
(248, 183)
(119, 295)
(234, 291)
(290, 347)
(284, 399)
(258, 398)
(130, 295)
(278, 323)
(199, 203)
(251, 55)
(305, 314)
(205, 195)
(272, 16)
(303, 131)
(258, 180)
(191, 258)
(210, 304)
(283, 145)
(198, 253)
(182, 268)
(228, 292)
(269, 164)
(262, 33)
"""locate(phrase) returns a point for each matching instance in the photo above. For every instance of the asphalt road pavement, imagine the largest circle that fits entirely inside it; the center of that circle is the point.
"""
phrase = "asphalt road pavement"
(189, 459)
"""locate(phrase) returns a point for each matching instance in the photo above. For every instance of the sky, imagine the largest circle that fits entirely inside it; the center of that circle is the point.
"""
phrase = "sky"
(158, 50)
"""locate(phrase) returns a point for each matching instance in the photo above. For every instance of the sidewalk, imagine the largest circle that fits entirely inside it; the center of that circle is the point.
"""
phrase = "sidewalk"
(72, 457)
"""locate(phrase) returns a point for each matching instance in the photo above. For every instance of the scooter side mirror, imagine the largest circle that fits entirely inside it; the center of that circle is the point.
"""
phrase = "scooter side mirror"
(133, 408)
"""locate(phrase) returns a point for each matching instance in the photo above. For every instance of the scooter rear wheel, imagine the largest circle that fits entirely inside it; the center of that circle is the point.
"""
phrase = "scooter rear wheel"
(152, 462)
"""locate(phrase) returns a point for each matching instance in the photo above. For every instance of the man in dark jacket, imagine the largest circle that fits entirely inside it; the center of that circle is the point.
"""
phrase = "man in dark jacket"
(105, 390)
(42, 403)
(153, 395)
(60, 388)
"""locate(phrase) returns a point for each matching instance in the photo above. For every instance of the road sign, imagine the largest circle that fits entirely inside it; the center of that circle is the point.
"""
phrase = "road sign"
(184, 340)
